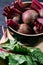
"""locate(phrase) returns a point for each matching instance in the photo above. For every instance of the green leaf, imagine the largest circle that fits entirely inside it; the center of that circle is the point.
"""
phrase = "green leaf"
(15, 46)
(34, 59)
(16, 58)
(25, 63)
(20, 49)
(9, 44)
(3, 54)
(35, 63)
(12, 60)
(20, 58)
(38, 55)
(29, 60)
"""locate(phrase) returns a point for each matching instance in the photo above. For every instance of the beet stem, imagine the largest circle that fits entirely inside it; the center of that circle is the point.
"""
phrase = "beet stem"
(12, 24)
(34, 7)
(20, 1)
(3, 30)
(16, 5)
(1, 49)
(16, 10)
(4, 13)
(7, 9)
(37, 3)
(21, 8)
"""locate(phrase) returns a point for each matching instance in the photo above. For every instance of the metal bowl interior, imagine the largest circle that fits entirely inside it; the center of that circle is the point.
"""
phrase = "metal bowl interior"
(26, 4)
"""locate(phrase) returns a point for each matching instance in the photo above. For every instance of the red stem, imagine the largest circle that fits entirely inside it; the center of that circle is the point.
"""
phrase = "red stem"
(20, 1)
(21, 7)
(20, 4)
(34, 7)
(7, 9)
(37, 3)
(12, 24)
(3, 30)
(1, 49)
(16, 5)
(16, 10)
(5, 14)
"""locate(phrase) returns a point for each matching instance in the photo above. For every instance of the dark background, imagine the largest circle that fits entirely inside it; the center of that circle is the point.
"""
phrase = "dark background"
(2, 4)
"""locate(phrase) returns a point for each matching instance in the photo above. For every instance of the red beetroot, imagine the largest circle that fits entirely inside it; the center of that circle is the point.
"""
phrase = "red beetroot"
(25, 29)
(29, 16)
(36, 5)
(16, 18)
(12, 24)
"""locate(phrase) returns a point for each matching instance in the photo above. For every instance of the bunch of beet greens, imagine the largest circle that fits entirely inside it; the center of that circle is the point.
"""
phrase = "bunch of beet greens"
(32, 56)
(13, 52)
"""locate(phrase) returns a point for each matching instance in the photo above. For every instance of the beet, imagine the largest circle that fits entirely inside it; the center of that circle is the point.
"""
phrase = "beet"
(16, 18)
(29, 16)
(25, 29)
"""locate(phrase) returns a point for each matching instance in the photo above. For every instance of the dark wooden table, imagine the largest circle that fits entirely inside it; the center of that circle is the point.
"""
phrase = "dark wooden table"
(2, 4)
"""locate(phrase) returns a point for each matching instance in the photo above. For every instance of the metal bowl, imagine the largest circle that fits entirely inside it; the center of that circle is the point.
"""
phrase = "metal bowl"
(25, 38)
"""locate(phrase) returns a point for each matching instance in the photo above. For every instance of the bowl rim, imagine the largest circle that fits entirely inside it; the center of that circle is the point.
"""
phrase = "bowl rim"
(22, 33)
(26, 34)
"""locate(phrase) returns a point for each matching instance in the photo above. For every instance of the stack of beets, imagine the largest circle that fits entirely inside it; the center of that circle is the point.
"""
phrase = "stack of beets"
(25, 20)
